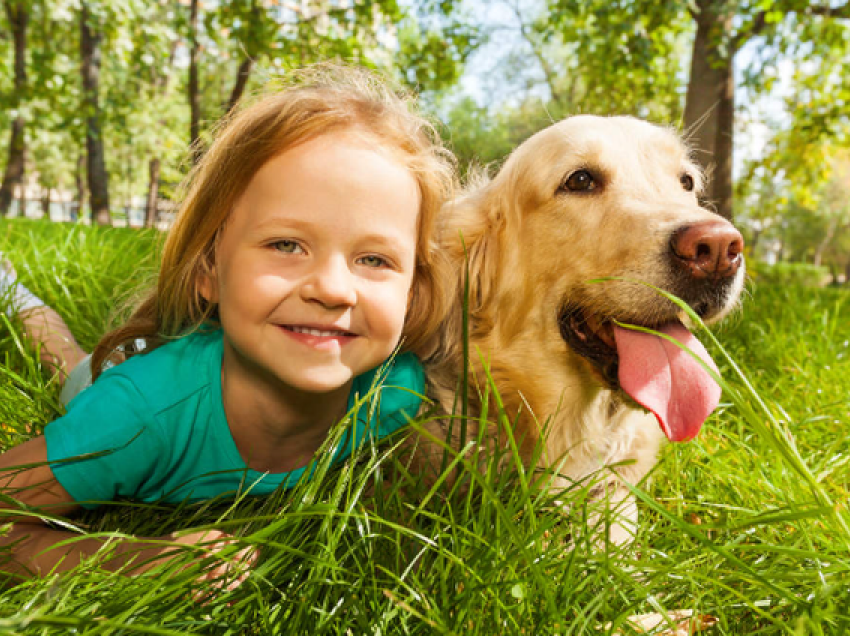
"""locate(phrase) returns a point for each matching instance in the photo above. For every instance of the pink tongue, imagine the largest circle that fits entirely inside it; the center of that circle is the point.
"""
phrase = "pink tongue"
(667, 380)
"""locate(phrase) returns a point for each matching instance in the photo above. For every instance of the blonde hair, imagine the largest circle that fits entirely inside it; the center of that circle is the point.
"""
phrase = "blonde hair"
(316, 101)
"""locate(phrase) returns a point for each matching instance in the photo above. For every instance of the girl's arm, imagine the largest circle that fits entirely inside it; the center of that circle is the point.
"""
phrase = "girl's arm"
(26, 476)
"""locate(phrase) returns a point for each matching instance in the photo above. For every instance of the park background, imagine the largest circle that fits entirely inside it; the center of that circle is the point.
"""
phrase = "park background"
(107, 103)
(103, 98)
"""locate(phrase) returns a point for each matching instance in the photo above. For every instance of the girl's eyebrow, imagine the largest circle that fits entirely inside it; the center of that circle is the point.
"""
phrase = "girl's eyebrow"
(388, 244)
(389, 239)
(287, 221)
(390, 236)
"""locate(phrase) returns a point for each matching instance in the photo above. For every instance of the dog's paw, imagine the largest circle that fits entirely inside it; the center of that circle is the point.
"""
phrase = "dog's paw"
(675, 623)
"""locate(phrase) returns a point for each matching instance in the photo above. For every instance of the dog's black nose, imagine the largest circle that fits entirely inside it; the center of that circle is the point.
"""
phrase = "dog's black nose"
(712, 249)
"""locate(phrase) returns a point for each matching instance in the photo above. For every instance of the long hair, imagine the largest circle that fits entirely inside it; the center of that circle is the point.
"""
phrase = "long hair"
(320, 100)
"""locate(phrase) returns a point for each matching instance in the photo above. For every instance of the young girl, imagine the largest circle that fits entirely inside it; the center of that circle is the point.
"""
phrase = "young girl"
(303, 254)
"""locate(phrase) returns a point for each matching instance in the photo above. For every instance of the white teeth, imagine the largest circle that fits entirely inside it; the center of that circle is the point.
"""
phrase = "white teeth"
(316, 332)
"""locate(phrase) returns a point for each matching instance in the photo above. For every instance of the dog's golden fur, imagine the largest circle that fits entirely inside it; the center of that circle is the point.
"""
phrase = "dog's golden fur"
(531, 247)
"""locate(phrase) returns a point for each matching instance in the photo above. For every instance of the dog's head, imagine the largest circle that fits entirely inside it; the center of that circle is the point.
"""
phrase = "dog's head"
(573, 235)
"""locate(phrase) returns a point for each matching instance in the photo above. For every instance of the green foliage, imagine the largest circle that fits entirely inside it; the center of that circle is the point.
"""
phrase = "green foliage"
(143, 78)
(597, 58)
(802, 63)
(799, 198)
(480, 137)
(737, 524)
(88, 274)
(627, 56)
(433, 60)
(789, 274)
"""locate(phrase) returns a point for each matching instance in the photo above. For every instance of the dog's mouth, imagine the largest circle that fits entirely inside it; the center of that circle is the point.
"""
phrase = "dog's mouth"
(592, 337)
(667, 372)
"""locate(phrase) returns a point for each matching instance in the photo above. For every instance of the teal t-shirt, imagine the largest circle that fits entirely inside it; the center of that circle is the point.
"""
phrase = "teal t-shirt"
(154, 429)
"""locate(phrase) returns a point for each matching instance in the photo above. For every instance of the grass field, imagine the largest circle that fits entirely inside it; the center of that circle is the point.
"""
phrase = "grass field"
(747, 524)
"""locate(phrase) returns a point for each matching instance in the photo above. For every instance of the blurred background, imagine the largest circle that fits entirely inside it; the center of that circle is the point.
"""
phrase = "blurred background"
(106, 103)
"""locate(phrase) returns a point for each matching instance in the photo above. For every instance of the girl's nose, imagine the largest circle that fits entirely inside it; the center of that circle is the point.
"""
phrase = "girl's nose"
(331, 284)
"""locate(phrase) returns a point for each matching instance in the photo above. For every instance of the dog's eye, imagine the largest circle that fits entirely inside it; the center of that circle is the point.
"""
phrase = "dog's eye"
(687, 182)
(580, 181)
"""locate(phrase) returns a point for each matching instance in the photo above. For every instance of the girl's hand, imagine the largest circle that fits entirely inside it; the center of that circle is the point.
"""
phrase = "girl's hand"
(231, 568)
(38, 549)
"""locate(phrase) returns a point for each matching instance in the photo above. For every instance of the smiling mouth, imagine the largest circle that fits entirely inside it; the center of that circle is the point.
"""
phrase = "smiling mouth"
(323, 333)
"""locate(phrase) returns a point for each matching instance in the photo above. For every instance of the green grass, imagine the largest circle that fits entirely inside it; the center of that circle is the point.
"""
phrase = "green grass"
(748, 523)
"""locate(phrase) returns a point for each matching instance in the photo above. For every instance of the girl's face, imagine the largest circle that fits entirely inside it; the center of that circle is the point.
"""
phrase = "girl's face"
(315, 265)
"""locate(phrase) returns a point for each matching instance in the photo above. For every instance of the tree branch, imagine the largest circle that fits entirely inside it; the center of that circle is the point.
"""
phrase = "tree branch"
(757, 26)
(332, 11)
(242, 76)
(842, 12)
(548, 72)
(760, 21)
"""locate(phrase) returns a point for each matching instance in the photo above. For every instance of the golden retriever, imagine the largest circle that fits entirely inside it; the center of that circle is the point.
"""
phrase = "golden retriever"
(587, 199)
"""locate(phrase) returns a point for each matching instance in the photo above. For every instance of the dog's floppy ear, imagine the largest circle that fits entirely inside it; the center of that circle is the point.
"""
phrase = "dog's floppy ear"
(474, 239)
(481, 238)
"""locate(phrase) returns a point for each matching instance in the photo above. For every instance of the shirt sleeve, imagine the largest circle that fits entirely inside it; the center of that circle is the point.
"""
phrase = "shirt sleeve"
(401, 396)
(107, 445)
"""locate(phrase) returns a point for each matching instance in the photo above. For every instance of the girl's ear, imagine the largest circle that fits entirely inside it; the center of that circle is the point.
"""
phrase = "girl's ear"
(208, 284)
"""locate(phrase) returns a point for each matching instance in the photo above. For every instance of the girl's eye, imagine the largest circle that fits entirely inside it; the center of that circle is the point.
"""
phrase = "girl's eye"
(287, 247)
(373, 261)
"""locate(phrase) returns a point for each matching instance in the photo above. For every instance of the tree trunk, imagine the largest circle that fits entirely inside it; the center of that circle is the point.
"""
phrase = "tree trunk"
(13, 177)
(22, 200)
(160, 83)
(46, 196)
(194, 91)
(833, 275)
(722, 188)
(80, 183)
(242, 76)
(153, 193)
(710, 104)
(753, 243)
(91, 38)
(820, 248)
(247, 64)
